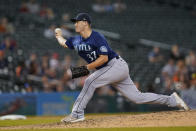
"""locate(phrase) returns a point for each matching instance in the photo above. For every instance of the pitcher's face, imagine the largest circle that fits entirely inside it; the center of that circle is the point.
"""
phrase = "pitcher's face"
(80, 26)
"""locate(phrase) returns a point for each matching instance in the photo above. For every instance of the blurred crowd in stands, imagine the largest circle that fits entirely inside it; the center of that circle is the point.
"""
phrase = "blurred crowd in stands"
(179, 70)
(6, 27)
(53, 74)
(102, 6)
(32, 7)
(49, 72)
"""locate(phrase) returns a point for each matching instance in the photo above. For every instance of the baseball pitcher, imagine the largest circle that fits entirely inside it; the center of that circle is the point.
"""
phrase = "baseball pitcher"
(110, 69)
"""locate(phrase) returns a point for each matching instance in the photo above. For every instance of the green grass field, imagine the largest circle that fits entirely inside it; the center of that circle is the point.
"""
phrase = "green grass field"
(53, 119)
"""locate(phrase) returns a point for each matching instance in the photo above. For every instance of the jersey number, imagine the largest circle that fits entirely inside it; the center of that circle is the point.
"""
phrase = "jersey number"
(92, 56)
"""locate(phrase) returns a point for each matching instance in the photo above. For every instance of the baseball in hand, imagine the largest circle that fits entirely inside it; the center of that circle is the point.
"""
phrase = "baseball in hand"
(58, 31)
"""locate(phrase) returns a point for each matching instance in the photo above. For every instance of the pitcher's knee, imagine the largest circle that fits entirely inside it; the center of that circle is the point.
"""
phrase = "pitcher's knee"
(88, 81)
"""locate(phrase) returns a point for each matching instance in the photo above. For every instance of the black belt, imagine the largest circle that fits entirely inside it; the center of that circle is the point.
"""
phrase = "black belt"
(117, 57)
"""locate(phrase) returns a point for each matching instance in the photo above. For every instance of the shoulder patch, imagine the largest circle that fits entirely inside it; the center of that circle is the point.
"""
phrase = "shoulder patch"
(76, 40)
(103, 49)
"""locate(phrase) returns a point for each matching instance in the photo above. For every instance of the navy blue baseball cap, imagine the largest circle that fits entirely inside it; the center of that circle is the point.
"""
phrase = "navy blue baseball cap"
(82, 17)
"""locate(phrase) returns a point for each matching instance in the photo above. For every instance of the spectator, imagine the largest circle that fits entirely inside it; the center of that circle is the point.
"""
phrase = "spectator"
(67, 62)
(183, 82)
(108, 6)
(167, 77)
(5, 26)
(23, 8)
(32, 58)
(67, 81)
(155, 56)
(167, 85)
(175, 53)
(47, 13)
(45, 84)
(98, 6)
(54, 61)
(175, 76)
(32, 65)
(8, 44)
(49, 33)
(28, 87)
(101, 6)
(193, 81)
(3, 60)
(50, 14)
(44, 64)
(21, 71)
(190, 58)
(51, 74)
(192, 73)
(33, 7)
(50, 83)
(43, 11)
(169, 69)
(181, 74)
(65, 18)
(119, 6)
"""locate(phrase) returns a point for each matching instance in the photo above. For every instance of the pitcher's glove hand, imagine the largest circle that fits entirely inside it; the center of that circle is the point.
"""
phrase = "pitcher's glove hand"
(79, 71)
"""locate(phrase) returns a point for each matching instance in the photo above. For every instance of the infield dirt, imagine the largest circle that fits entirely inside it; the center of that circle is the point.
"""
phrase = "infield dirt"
(157, 119)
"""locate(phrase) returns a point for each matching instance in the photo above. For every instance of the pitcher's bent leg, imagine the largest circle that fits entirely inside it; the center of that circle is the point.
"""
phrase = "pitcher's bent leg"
(129, 90)
(95, 80)
(83, 99)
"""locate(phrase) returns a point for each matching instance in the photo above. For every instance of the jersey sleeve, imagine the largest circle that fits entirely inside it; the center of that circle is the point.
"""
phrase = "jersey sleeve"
(69, 43)
(101, 44)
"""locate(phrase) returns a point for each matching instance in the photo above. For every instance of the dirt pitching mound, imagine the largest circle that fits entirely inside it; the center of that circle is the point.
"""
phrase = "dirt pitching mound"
(158, 119)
